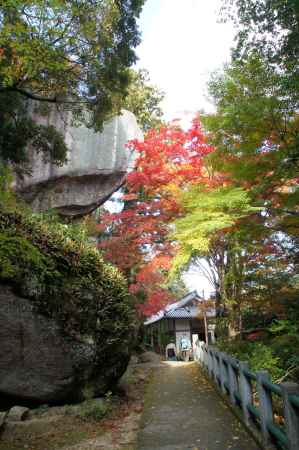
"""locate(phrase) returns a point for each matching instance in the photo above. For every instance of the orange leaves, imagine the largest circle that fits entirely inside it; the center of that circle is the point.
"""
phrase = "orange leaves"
(128, 197)
(162, 262)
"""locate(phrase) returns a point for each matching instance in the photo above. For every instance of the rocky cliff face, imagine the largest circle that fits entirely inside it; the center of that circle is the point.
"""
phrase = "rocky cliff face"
(40, 363)
(96, 167)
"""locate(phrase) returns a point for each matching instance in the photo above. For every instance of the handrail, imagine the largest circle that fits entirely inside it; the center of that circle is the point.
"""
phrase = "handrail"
(254, 411)
(236, 380)
(278, 434)
(272, 387)
(294, 399)
(249, 374)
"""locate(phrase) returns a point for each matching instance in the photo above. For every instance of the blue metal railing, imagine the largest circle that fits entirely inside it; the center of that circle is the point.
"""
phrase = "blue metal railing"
(236, 380)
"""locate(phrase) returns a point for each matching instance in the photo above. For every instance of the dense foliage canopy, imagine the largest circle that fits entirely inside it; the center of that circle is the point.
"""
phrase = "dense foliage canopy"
(271, 27)
(71, 55)
(236, 218)
(144, 100)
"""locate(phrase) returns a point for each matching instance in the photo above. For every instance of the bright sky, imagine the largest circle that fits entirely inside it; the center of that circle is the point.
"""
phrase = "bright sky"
(182, 43)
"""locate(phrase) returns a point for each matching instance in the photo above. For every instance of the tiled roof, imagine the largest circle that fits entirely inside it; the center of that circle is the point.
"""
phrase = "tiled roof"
(181, 303)
(182, 309)
(182, 313)
(173, 307)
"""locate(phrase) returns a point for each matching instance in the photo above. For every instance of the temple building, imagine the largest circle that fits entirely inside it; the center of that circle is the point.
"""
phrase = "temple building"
(185, 317)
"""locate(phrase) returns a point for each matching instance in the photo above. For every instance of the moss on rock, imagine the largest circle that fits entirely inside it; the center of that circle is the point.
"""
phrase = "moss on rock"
(66, 279)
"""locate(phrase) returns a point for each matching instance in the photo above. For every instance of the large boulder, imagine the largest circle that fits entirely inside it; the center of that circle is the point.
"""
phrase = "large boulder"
(96, 167)
(67, 321)
(40, 363)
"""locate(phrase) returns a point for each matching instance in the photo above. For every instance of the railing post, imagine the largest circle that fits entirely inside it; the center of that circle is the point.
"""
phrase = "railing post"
(214, 365)
(222, 371)
(265, 404)
(210, 362)
(203, 355)
(232, 379)
(218, 362)
(245, 390)
(291, 414)
(206, 356)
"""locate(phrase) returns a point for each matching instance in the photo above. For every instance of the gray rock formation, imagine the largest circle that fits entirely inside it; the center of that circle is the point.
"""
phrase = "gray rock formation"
(3, 416)
(39, 363)
(96, 167)
(17, 414)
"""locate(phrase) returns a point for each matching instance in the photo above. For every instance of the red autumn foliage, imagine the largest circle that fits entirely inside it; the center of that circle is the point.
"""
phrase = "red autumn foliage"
(167, 159)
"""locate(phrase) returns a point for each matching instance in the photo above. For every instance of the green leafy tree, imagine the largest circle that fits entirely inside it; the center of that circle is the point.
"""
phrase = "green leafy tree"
(256, 132)
(239, 228)
(72, 54)
(271, 27)
(207, 238)
(257, 101)
(144, 100)
(209, 212)
(17, 129)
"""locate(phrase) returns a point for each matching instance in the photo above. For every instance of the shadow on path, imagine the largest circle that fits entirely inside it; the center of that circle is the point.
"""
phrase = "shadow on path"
(183, 412)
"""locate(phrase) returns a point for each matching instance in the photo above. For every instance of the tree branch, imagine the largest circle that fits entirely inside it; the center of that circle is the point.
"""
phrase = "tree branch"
(30, 95)
(40, 98)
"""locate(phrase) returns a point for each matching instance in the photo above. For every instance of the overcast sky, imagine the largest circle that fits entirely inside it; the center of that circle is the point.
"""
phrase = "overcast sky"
(182, 43)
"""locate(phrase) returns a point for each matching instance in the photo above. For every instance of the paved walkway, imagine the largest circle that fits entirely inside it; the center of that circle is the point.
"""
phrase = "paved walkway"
(183, 412)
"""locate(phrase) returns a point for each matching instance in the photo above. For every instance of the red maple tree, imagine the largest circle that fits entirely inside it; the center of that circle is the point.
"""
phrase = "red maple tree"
(167, 160)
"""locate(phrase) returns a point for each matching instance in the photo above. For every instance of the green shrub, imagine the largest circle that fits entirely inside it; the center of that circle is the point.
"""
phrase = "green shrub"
(259, 356)
(287, 349)
(66, 278)
(285, 345)
(237, 348)
(7, 197)
(263, 358)
(19, 257)
(93, 409)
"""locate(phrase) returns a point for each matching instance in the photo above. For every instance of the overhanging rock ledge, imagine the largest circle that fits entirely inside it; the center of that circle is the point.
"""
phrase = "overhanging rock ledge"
(97, 165)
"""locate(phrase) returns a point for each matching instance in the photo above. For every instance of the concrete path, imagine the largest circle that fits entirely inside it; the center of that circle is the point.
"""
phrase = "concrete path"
(183, 412)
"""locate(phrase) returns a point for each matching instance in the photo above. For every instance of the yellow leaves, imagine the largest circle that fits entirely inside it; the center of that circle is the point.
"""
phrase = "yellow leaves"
(173, 189)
